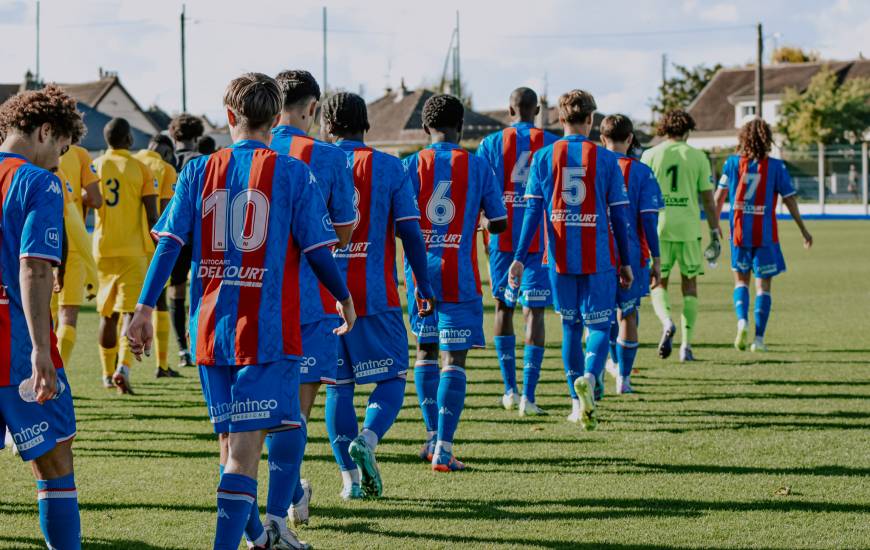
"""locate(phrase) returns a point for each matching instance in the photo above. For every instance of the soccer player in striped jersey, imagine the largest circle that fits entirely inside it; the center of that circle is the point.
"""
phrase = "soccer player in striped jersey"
(38, 127)
(288, 493)
(509, 152)
(452, 187)
(250, 214)
(580, 187)
(376, 352)
(645, 201)
(751, 181)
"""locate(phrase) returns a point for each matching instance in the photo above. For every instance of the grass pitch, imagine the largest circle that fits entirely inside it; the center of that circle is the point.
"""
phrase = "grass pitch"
(735, 451)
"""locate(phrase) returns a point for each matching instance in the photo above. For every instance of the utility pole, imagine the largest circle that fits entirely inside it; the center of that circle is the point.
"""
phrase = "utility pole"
(37, 42)
(759, 71)
(325, 81)
(664, 68)
(183, 65)
(457, 74)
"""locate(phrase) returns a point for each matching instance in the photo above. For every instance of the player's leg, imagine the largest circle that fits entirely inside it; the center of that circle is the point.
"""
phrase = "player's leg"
(58, 498)
(505, 348)
(69, 300)
(66, 331)
(237, 490)
(689, 317)
(661, 299)
(566, 305)
(763, 303)
(741, 308)
(108, 342)
(626, 349)
(161, 339)
(121, 378)
(533, 358)
(130, 281)
(451, 402)
(426, 372)
(177, 307)
(596, 298)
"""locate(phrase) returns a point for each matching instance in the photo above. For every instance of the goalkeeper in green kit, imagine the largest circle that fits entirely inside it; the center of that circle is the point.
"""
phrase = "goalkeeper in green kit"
(684, 176)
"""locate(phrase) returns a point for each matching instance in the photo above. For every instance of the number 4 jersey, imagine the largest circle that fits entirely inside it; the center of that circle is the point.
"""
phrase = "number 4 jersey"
(249, 214)
(452, 187)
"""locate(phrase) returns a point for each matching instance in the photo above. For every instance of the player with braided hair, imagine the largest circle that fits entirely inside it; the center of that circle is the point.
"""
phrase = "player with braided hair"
(751, 181)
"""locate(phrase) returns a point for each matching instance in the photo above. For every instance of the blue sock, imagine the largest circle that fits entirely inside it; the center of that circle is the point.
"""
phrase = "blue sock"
(763, 302)
(614, 336)
(235, 495)
(533, 356)
(625, 353)
(341, 424)
(451, 401)
(385, 402)
(741, 302)
(59, 512)
(505, 348)
(597, 342)
(572, 353)
(285, 463)
(426, 378)
(254, 528)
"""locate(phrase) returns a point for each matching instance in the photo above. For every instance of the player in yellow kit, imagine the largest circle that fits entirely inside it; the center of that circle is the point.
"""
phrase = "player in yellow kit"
(81, 191)
(160, 158)
(129, 190)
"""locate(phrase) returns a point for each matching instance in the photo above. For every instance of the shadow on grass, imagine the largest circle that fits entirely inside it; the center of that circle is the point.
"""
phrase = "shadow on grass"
(25, 543)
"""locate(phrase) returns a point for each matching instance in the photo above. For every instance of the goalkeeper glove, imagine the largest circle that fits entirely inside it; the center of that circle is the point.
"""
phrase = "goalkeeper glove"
(714, 249)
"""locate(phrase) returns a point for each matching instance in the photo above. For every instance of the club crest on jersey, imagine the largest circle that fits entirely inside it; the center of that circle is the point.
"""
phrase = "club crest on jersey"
(69, 188)
(93, 168)
(52, 237)
(327, 222)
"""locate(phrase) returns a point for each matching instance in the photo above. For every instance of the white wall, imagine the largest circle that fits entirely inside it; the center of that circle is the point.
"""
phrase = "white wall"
(721, 142)
(117, 104)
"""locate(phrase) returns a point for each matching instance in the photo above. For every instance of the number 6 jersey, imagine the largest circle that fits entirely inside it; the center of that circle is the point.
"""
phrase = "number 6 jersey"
(452, 187)
(249, 213)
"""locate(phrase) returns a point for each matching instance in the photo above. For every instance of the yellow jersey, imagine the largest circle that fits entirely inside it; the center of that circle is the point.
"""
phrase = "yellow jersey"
(121, 225)
(162, 170)
(79, 171)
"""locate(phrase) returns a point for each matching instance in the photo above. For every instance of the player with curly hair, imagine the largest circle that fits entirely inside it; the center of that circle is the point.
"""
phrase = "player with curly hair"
(35, 398)
(684, 177)
(752, 181)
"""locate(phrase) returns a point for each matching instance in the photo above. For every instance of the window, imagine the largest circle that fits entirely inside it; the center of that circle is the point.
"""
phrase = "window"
(747, 111)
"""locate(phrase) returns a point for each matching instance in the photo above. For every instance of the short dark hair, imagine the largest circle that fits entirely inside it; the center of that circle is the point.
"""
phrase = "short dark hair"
(296, 86)
(161, 140)
(26, 111)
(675, 123)
(117, 133)
(206, 145)
(576, 106)
(345, 113)
(443, 112)
(255, 98)
(755, 139)
(186, 127)
(524, 98)
(617, 127)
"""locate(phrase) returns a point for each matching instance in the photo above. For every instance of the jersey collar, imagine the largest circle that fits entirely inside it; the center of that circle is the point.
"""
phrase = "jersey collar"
(249, 144)
(121, 152)
(443, 146)
(349, 144)
(575, 137)
(288, 129)
(522, 125)
(14, 156)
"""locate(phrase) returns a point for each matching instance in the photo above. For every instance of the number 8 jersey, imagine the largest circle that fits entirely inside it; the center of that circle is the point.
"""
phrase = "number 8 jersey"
(577, 182)
(249, 214)
(452, 187)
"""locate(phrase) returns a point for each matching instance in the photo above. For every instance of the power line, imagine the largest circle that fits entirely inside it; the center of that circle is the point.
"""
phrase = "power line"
(629, 34)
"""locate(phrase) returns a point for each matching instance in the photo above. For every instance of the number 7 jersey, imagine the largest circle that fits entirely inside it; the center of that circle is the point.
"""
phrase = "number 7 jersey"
(249, 213)
(452, 187)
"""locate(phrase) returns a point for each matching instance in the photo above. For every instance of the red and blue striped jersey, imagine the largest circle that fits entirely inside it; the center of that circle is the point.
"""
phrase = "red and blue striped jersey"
(509, 153)
(31, 226)
(577, 181)
(452, 186)
(249, 214)
(753, 187)
(644, 195)
(332, 171)
(383, 197)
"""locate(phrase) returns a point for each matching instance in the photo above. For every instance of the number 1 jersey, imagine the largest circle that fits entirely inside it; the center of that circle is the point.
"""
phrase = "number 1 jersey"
(249, 213)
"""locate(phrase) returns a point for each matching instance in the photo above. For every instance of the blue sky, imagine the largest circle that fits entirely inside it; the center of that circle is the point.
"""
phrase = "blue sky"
(613, 49)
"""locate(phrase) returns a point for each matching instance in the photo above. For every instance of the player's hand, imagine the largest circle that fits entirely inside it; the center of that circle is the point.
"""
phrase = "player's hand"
(714, 249)
(655, 274)
(44, 375)
(348, 314)
(626, 276)
(140, 332)
(808, 239)
(515, 274)
(425, 306)
(58, 280)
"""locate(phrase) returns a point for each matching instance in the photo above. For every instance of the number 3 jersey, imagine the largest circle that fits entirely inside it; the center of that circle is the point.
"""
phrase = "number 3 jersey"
(509, 152)
(753, 187)
(577, 182)
(249, 213)
(452, 186)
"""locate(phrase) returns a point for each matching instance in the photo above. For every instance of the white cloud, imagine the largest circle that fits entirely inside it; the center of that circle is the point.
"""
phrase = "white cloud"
(720, 13)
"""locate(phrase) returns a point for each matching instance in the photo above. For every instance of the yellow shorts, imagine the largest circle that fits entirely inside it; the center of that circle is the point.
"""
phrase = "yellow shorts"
(121, 281)
(686, 254)
(73, 292)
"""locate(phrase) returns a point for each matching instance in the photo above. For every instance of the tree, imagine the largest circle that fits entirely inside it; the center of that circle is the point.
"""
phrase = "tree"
(793, 54)
(679, 91)
(827, 112)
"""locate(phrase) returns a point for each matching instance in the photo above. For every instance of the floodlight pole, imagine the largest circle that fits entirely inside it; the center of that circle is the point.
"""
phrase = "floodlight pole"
(183, 65)
(759, 72)
(325, 81)
(37, 41)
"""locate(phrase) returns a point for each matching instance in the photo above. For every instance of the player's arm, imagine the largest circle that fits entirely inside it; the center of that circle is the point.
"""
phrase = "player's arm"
(620, 221)
(341, 208)
(495, 214)
(792, 205)
(90, 182)
(534, 198)
(91, 196)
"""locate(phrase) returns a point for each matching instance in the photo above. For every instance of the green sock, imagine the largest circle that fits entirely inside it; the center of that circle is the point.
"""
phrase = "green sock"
(690, 315)
(662, 305)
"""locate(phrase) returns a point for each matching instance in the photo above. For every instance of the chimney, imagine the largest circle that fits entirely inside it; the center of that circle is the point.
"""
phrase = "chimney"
(402, 91)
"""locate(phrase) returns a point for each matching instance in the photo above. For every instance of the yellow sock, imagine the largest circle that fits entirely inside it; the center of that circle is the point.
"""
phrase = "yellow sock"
(125, 353)
(66, 341)
(108, 358)
(161, 337)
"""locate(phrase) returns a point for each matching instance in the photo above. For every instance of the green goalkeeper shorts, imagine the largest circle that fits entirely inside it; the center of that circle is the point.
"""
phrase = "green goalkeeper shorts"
(686, 254)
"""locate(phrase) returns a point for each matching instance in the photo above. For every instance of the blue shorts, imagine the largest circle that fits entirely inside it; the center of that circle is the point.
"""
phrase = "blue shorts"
(249, 398)
(534, 289)
(36, 429)
(588, 299)
(319, 352)
(454, 326)
(764, 261)
(375, 350)
(628, 299)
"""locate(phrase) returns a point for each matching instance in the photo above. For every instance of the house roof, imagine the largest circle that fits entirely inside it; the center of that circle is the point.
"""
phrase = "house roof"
(91, 93)
(397, 117)
(713, 109)
(95, 121)
(159, 117)
(8, 90)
